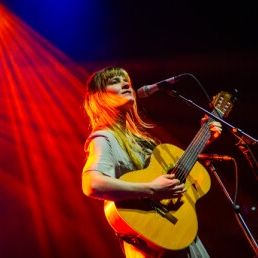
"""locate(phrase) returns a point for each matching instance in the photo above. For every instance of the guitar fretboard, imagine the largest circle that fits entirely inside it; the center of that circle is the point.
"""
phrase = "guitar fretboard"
(190, 156)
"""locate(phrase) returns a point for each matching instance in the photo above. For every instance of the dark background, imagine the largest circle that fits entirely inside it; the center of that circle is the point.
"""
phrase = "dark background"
(216, 42)
(100, 30)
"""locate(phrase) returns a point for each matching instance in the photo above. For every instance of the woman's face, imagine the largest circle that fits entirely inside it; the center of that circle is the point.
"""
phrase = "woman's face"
(119, 89)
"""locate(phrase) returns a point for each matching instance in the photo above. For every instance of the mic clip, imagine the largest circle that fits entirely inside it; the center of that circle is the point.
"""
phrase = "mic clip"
(214, 157)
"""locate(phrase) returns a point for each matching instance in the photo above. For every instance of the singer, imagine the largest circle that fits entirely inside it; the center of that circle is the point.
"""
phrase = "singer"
(119, 143)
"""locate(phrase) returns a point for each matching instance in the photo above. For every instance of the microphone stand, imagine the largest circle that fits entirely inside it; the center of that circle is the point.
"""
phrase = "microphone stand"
(244, 137)
(242, 146)
(239, 217)
(247, 139)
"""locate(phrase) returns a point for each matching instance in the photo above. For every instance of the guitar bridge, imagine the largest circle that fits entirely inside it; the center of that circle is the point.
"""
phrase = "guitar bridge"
(161, 210)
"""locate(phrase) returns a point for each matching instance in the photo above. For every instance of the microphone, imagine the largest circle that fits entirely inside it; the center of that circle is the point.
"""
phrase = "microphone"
(215, 157)
(147, 90)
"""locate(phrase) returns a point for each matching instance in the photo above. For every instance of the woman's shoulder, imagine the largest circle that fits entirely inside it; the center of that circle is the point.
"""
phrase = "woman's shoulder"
(100, 136)
(101, 133)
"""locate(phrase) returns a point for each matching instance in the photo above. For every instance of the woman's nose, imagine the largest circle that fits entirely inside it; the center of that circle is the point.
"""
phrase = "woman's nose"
(125, 85)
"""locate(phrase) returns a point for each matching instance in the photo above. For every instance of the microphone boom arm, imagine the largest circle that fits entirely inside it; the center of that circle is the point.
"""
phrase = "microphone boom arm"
(236, 131)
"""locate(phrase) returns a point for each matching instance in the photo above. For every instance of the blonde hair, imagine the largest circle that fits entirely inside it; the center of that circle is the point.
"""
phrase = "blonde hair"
(103, 114)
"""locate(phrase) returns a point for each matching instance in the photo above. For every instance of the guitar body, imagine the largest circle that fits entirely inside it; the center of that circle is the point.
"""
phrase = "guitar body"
(169, 224)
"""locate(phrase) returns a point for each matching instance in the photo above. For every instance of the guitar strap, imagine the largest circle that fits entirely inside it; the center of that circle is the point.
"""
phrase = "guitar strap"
(130, 240)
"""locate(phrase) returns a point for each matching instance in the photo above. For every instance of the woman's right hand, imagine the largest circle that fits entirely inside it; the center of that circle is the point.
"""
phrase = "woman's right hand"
(167, 186)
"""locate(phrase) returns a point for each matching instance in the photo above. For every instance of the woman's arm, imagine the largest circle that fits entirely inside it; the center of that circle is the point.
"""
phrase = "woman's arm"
(97, 185)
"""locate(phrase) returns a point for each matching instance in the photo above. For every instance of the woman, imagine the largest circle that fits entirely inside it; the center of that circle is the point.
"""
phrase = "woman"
(119, 143)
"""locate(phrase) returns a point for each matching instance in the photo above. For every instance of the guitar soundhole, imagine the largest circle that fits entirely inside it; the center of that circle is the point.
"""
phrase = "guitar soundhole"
(181, 176)
(170, 171)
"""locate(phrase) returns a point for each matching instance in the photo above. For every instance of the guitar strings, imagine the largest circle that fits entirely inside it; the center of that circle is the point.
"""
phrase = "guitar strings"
(189, 157)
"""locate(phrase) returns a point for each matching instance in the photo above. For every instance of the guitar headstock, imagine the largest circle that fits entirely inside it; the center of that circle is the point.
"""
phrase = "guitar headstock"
(223, 103)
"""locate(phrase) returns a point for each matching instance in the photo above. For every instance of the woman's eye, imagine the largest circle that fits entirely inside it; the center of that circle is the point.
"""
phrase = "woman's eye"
(114, 81)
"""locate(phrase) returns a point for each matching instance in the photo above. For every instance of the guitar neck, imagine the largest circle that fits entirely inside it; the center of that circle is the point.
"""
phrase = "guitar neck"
(190, 156)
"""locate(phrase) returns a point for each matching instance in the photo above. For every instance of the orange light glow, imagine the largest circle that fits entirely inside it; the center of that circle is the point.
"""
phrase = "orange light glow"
(44, 211)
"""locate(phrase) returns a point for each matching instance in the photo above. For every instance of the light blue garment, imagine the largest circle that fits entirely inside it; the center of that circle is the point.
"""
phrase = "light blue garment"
(104, 154)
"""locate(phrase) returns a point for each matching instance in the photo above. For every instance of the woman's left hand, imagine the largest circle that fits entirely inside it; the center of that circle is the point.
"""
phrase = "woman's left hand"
(215, 128)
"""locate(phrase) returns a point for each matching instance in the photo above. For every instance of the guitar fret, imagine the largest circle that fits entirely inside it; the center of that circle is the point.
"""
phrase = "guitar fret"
(190, 156)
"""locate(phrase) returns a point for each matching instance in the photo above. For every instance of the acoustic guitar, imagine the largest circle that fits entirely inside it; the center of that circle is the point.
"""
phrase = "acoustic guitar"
(169, 224)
